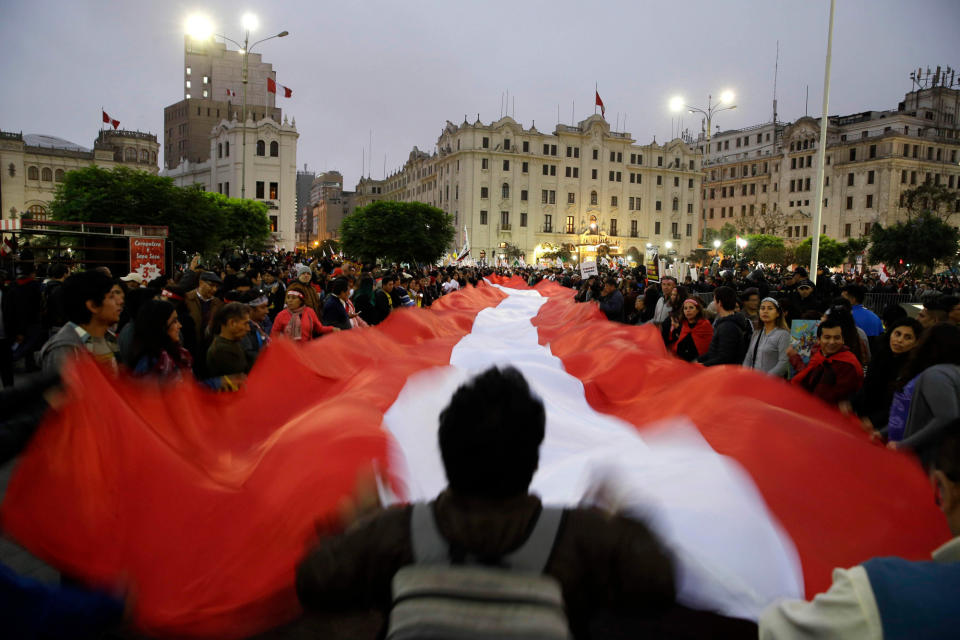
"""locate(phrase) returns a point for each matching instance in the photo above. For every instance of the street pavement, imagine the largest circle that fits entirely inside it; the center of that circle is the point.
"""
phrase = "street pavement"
(15, 556)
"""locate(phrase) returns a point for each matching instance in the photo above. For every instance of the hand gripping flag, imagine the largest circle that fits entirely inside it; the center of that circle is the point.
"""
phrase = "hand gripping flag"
(272, 88)
(206, 502)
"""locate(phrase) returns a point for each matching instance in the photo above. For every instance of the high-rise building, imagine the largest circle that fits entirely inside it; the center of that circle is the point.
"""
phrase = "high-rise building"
(213, 91)
(522, 192)
(763, 179)
(330, 204)
(304, 216)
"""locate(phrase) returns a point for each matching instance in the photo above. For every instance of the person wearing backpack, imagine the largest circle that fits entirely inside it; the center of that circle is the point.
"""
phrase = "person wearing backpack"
(731, 331)
(486, 547)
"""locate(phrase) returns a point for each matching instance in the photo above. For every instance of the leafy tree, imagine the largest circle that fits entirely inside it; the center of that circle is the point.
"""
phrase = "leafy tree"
(855, 247)
(935, 199)
(831, 254)
(326, 248)
(197, 221)
(397, 232)
(921, 241)
(760, 246)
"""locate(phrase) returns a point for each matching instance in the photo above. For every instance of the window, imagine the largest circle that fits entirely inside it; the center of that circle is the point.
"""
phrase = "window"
(659, 161)
(546, 169)
(47, 174)
(274, 189)
(806, 185)
(659, 206)
(596, 154)
(188, 84)
(690, 183)
(526, 147)
(619, 177)
(523, 195)
(613, 156)
(569, 151)
(656, 228)
(866, 228)
(689, 230)
(873, 151)
(485, 143)
(869, 177)
(593, 198)
(569, 225)
(505, 220)
(506, 144)
(849, 202)
(676, 204)
(659, 181)
(869, 202)
(525, 167)
(261, 148)
(613, 201)
(483, 217)
(226, 189)
(484, 193)
(505, 191)
(569, 172)
(846, 230)
(553, 149)
(613, 226)
(58, 176)
(593, 174)
(506, 165)
(612, 175)
(553, 197)
(260, 189)
(849, 179)
(639, 158)
(711, 213)
(484, 164)
(548, 223)
(853, 155)
(743, 189)
(571, 197)
(793, 163)
(274, 149)
(189, 70)
(633, 229)
(523, 219)
(676, 181)
(690, 207)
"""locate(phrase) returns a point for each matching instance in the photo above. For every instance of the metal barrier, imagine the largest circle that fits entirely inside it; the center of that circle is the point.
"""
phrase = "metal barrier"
(877, 302)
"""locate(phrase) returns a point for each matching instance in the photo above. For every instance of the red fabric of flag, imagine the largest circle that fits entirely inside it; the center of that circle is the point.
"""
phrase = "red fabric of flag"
(599, 103)
(106, 118)
(272, 88)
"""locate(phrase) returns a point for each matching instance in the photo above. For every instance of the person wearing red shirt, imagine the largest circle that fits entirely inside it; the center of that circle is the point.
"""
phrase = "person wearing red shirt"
(833, 374)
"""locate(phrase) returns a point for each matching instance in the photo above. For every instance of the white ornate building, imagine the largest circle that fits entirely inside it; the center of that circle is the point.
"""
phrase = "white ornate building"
(523, 191)
(271, 170)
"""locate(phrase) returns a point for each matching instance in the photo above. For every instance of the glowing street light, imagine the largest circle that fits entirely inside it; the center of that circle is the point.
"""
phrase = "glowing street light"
(716, 244)
(727, 97)
(668, 244)
(199, 27)
(249, 22)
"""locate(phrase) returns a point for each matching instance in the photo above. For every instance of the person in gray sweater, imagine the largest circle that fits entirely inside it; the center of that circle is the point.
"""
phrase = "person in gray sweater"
(767, 350)
(935, 404)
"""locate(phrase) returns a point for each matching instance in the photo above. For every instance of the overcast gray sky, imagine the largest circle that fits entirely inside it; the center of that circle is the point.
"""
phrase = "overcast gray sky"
(402, 69)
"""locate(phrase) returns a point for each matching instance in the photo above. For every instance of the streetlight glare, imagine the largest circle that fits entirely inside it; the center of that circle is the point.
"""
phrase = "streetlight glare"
(669, 244)
(716, 244)
(676, 103)
(727, 97)
(249, 22)
(198, 27)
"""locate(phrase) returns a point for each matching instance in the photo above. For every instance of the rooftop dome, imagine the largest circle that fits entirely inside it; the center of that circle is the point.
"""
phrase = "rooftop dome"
(43, 140)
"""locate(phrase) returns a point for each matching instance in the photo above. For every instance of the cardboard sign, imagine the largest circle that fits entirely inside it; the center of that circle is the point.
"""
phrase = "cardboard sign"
(147, 257)
(589, 268)
(652, 260)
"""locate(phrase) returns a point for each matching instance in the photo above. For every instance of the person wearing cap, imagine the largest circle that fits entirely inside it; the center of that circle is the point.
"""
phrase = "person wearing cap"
(807, 298)
(304, 284)
(767, 350)
(132, 280)
(202, 307)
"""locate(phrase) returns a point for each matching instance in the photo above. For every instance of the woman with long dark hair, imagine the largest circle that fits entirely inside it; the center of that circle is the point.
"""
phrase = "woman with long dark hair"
(767, 350)
(156, 342)
(690, 335)
(893, 349)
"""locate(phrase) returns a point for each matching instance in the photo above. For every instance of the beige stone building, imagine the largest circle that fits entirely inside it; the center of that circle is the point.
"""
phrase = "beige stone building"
(763, 179)
(329, 205)
(522, 191)
(33, 165)
(271, 171)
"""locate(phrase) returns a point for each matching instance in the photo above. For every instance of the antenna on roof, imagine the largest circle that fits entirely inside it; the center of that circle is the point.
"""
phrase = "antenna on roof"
(776, 68)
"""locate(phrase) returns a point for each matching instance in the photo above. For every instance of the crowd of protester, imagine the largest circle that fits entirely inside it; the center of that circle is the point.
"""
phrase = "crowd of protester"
(211, 321)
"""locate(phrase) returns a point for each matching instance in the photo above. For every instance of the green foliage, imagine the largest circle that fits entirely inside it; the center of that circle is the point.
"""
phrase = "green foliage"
(855, 247)
(198, 221)
(760, 246)
(921, 241)
(930, 198)
(326, 248)
(397, 232)
(831, 254)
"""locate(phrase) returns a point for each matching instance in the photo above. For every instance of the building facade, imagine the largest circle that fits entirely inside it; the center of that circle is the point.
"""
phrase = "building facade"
(329, 205)
(271, 169)
(763, 179)
(33, 165)
(213, 91)
(521, 192)
(304, 214)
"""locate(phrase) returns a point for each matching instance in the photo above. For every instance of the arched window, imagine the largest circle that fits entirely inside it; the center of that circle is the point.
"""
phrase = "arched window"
(144, 155)
(676, 204)
(37, 212)
(46, 174)
(33, 173)
(153, 157)
(505, 191)
(261, 148)
(58, 176)
(593, 197)
(274, 149)
(130, 154)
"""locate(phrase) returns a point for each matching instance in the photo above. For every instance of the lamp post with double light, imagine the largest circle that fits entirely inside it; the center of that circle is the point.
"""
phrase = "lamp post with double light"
(677, 103)
(199, 28)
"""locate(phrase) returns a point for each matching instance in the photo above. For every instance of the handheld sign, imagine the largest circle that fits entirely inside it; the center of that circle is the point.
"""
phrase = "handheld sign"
(589, 268)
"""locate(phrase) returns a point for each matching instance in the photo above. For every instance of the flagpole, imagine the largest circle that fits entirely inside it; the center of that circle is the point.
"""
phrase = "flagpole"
(596, 92)
(821, 152)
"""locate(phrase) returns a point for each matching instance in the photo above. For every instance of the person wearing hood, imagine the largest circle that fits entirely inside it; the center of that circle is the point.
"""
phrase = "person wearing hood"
(304, 284)
(731, 331)
(834, 373)
(691, 334)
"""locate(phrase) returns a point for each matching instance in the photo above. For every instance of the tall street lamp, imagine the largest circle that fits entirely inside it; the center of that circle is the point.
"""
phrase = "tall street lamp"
(199, 28)
(677, 103)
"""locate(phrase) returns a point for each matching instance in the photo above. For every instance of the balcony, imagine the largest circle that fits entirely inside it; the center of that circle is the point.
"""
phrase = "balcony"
(547, 228)
(676, 236)
(504, 227)
(569, 229)
(634, 234)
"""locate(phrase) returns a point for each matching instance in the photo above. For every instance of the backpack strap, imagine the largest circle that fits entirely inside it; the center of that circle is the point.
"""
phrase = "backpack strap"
(535, 552)
(429, 545)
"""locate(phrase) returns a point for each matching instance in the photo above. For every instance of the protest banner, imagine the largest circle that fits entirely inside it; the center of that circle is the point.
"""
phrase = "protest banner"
(588, 268)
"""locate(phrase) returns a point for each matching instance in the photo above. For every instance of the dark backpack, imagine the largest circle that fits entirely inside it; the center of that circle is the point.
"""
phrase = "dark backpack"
(511, 599)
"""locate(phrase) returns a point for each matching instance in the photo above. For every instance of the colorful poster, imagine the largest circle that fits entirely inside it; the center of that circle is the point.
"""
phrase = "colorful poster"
(652, 260)
(803, 335)
(147, 257)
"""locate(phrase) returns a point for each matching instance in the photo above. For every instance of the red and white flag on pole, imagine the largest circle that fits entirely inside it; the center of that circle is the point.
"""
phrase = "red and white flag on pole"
(107, 119)
(231, 94)
(272, 87)
(599, 103)
(884, 276)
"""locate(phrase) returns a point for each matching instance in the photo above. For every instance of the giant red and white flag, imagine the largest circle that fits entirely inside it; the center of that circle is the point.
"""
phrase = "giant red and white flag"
(273, 85)
(206, 502)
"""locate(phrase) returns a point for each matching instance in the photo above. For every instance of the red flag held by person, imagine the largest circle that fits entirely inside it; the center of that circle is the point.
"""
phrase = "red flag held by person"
(599, 103)
(272, 88)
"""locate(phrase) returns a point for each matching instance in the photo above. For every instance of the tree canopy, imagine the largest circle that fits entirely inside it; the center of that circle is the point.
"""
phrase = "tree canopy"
(760, 246)
(935, 199)
(198, 221)
(397, 232)
(831, 254)
(920, 242)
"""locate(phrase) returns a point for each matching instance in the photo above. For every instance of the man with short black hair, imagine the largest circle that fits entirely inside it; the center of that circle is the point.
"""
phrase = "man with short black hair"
(662, 312)
(92, 303)
(952, 305)
(490, 436)
(226, 356)
(382, 299)
(611, 300)
(833, 373)
(934, 311)
(203, 306)
(863, 317)
(731, 331)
